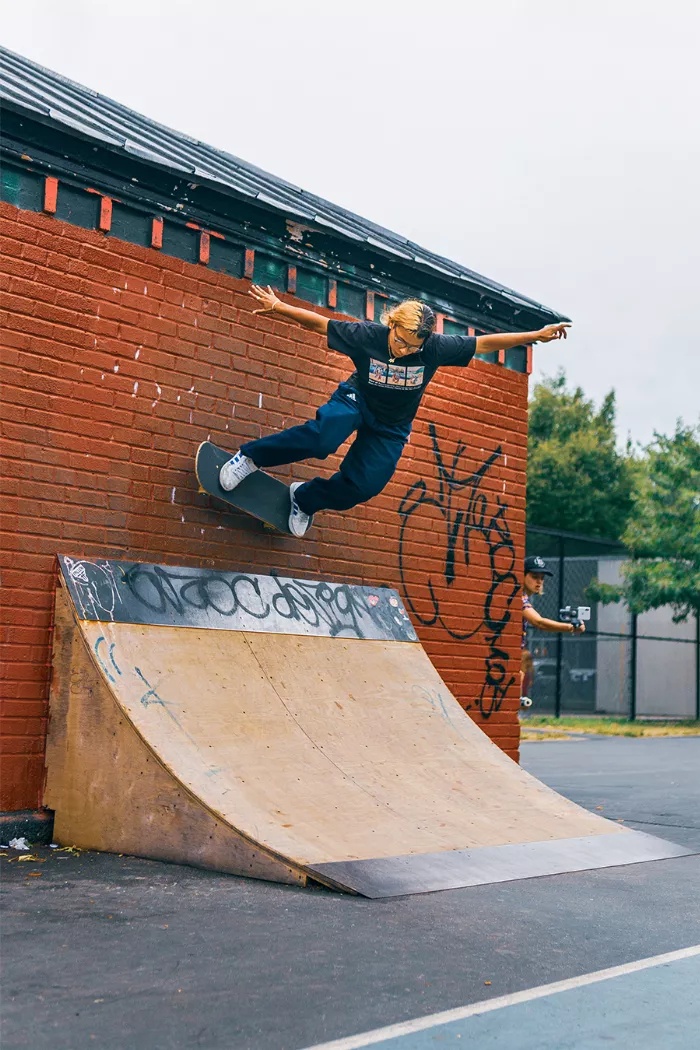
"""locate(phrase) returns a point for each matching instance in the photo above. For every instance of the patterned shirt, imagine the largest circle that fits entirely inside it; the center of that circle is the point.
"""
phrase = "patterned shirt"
(527, 604)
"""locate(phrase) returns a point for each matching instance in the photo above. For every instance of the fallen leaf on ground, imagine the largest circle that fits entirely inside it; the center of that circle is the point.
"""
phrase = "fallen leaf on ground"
(28, 856)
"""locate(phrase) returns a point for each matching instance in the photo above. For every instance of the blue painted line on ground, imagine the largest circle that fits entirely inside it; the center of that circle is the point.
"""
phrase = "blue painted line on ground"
(655, 1008)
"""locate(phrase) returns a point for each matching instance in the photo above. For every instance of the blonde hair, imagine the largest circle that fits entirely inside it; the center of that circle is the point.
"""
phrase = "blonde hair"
(413, 315)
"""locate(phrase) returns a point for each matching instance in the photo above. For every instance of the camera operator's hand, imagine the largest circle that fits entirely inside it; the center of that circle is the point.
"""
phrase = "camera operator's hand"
(578, 628)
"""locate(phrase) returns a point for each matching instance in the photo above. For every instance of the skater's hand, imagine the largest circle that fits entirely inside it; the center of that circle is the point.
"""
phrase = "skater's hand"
(552, 331)
(266, 297)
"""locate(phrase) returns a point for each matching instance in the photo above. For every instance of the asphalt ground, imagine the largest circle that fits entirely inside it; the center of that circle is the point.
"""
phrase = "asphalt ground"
(107, 951)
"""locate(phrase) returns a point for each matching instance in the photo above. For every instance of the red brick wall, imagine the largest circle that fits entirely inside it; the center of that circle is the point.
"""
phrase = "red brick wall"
(117, 361)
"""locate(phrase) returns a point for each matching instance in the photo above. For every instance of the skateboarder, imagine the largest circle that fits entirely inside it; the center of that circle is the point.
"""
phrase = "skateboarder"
(533, 583)
(394, 362)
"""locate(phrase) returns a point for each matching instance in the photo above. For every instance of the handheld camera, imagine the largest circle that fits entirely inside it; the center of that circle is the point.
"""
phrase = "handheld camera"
(574, 614)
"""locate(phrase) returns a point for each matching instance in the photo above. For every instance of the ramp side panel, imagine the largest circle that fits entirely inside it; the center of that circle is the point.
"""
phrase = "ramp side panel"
(325, 750)
(109, 790)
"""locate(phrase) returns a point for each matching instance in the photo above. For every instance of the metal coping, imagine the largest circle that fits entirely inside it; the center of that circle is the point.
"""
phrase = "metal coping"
(171, 596)
(452, 869)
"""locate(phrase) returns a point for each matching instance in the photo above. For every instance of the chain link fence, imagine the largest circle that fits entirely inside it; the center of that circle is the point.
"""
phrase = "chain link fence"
(631, 666)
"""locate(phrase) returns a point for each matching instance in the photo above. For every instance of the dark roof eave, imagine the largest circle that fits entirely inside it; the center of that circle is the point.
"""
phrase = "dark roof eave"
(237, 178)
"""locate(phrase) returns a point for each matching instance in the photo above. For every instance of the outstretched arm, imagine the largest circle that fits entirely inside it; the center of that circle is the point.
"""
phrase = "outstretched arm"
(507, 340)
(270, 304)
(543, 624)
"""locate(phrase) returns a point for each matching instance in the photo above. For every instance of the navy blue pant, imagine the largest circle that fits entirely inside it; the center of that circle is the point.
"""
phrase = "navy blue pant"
(366, 469)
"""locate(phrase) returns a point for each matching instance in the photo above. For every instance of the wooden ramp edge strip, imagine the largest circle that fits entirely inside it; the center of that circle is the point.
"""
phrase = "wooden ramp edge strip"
(429, 872)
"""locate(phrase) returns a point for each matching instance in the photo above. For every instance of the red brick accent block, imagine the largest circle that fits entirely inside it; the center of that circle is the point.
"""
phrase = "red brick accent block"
(291, 279)
(106, 214)
(204, 242)
(157, 233)
(50, 194)
(117, 361)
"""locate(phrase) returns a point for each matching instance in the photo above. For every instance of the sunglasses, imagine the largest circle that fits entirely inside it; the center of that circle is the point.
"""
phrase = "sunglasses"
(407, 346)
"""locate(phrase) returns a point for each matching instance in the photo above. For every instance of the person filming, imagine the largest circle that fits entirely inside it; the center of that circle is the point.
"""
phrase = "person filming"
(533, 583)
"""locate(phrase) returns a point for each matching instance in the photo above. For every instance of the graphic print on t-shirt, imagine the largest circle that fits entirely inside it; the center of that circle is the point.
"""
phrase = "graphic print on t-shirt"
(397, 375)
(377, 372)
(381, 374)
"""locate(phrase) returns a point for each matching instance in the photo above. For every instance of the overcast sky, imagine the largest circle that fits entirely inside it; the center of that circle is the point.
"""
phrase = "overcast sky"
(552, 145)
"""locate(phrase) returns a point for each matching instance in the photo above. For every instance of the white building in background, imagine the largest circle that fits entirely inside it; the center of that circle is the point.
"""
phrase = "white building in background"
(666, 672)
(596, 672)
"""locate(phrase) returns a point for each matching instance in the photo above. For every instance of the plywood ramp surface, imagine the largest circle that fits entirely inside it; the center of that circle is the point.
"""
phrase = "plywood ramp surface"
(313, 752)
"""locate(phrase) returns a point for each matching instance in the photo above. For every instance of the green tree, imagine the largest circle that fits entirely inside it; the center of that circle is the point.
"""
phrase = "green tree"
(576, 478)
(663, 533)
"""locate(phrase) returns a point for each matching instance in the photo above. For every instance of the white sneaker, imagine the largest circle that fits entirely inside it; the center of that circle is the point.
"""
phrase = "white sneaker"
(235, 471)
(299, 522)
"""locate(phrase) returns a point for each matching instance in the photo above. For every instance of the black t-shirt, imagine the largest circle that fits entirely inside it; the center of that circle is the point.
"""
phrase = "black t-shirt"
(393, 387)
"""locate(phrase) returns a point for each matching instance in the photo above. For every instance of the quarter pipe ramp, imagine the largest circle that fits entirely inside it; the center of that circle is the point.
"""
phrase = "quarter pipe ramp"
(288, 730)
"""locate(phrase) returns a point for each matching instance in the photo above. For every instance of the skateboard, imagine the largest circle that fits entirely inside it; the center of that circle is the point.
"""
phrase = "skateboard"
(260, 495)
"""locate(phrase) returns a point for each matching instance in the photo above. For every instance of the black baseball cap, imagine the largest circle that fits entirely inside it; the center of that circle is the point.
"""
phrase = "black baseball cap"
(533, 563)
